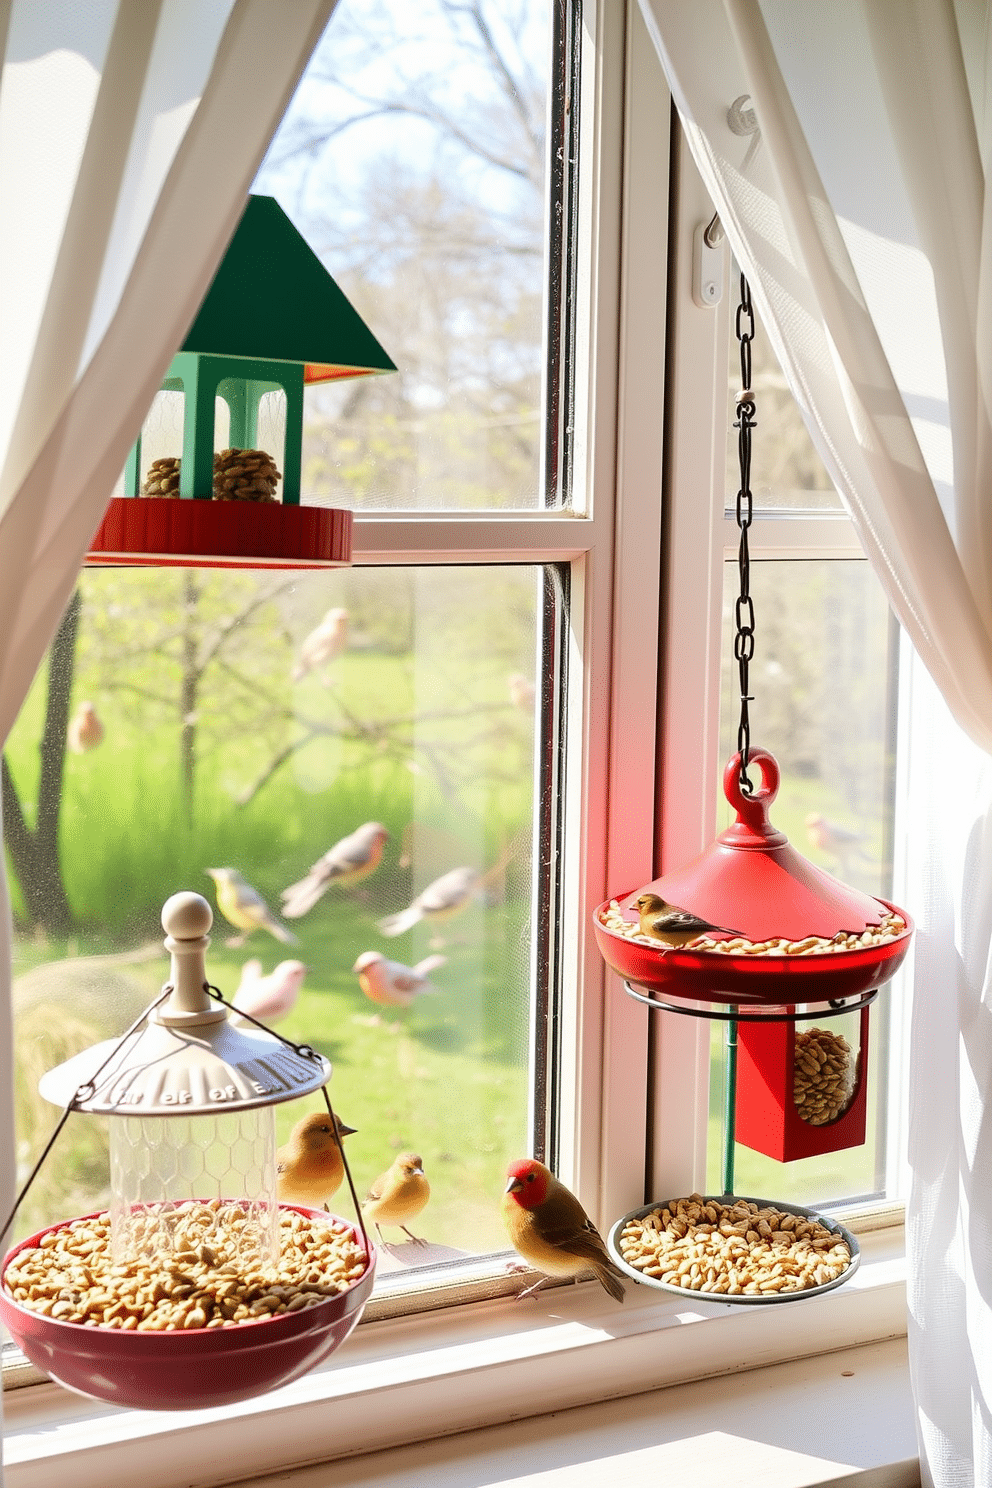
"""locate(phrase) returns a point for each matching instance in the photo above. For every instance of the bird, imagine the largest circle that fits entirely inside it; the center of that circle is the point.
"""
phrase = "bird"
(442, 899)
(842, 843)
(390, 982)
(551, 1231)
(269, 998)
(85, 729)
(348, 862)
(398, 1194)
(324, 643)
(310, 1167)
(671, 925)
(522, 691)
(245, 907)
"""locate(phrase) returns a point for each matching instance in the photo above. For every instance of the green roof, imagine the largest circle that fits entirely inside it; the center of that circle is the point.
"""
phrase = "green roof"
(273, 299)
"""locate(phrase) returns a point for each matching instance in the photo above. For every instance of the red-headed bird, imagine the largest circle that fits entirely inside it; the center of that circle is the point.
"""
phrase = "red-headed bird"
(348, 862)
(549, 1228)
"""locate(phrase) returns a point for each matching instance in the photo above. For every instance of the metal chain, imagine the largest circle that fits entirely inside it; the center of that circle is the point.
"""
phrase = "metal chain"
(744, 609)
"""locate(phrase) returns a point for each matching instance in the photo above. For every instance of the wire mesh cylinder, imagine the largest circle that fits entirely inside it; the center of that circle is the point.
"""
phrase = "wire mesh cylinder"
(158, 1164)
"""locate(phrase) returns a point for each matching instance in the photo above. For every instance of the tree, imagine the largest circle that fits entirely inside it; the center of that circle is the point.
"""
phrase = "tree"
(413, 161)
(35, 851)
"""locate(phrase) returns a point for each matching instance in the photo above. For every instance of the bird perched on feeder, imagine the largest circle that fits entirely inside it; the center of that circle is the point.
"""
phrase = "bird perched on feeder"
(441, 900)
(348, 862)
(324, 643)
(398, 1195)
(245, 907)
(269, 998)
(392, 984)
(549, 1228)
(85, 730)
(671, 925)
(310, 1167)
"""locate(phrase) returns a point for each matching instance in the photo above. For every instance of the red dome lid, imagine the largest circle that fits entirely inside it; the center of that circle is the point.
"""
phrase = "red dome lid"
(754, 883)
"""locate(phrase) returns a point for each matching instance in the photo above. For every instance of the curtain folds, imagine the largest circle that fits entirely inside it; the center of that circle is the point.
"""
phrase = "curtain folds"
(864, 226)
(129, 137)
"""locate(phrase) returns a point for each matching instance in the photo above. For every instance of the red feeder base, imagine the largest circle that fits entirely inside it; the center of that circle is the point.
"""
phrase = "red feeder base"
(768, 1120)
(172, 532)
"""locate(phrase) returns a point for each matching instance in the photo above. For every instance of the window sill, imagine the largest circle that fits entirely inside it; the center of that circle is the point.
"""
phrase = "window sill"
(494, 1361)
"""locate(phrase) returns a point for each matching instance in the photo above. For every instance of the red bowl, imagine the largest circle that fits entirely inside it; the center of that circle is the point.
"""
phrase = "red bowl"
(185, 1370)
(709, 976)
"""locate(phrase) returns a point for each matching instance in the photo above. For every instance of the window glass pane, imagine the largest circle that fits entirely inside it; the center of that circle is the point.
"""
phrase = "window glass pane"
(413, 161)
(823, 684)
(249, 721)
(786, 470)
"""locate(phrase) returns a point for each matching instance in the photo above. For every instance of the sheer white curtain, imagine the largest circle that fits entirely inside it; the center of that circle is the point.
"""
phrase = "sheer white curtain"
(864, 226)
(129, 137)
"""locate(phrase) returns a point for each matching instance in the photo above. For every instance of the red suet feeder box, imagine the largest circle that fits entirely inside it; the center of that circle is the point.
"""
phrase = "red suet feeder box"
(273, 320)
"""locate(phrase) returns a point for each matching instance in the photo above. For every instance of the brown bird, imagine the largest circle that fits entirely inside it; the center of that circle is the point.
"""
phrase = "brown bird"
(324, 644)
(398, 1194)
(549, 1228)
(671, 925)
(311, 1167)
(348, 862)
(85, 729)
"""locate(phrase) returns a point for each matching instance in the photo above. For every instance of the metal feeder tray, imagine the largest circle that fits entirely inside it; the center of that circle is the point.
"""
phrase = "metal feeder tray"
(613, 1245)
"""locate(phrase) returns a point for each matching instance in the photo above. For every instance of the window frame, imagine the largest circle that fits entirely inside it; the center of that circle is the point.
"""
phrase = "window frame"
(633, 1086)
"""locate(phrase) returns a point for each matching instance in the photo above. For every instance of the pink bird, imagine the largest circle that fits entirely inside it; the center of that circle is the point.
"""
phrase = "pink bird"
(85, 729)
(323, 644)
(522, 691)
(392, 984)
(269, 998)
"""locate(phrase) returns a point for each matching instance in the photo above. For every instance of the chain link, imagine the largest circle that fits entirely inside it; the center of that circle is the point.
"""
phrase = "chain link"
(744, 608)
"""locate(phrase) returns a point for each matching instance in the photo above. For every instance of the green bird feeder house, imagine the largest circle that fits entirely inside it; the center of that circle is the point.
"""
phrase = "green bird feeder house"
(273, 320)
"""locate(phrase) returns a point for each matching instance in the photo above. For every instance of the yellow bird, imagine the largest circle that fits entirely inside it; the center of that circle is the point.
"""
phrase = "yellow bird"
(671, 925)
(310, 1167)
(245, 907)
(398, 1194)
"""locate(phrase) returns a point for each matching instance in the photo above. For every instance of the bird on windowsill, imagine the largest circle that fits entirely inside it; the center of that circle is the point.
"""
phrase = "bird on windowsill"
(398, 1195)
(551, 1231)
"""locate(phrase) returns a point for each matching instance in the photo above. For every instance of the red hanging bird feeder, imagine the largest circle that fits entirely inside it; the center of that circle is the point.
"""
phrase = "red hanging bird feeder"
(753, 882)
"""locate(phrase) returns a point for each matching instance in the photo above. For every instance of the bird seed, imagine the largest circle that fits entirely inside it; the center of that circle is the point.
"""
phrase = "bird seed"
(738, 1249)
(71, 1275)
(890, 928)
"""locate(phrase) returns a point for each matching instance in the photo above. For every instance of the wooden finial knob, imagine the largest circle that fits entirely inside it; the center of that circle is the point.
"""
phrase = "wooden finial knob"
(187, 916)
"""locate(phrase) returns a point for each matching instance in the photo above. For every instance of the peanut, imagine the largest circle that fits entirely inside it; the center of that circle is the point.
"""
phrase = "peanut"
(824, 1075)
(70, 1274)
(782, 1252)
(891, 926)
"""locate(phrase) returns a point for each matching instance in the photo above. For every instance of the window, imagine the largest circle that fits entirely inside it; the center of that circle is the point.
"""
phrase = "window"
(824, 682)
(490, 545)
(455, 704)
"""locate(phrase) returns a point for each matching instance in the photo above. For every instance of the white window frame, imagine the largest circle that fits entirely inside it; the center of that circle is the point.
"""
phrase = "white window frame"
(634, 1086)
